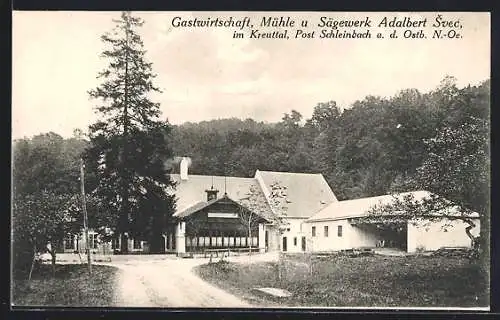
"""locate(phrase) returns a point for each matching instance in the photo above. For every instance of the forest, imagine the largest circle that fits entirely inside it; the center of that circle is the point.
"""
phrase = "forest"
(371, 148)
(375, 146)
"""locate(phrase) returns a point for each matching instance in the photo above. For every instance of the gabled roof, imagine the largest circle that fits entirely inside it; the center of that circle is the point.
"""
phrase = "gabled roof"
(194, 208)
(359, 207)
(308, 193)
(191, 193)
(202, 205)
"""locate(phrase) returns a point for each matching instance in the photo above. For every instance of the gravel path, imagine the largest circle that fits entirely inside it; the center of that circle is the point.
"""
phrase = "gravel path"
(172, 283)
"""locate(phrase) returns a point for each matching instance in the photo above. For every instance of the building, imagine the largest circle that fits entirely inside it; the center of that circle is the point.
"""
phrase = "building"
(211, 210)
(341, 226)
(214, 212)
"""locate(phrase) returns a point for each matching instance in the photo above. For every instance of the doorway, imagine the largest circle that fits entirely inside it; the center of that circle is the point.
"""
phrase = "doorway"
(284, 244)
(303, 243)
(266, 240)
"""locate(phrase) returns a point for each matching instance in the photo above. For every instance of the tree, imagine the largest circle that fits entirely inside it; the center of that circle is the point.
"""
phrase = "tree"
(45, 187)
(278, 200)
(38, 219)
(253, 210)
(456, 164)
(130, 142)
(428, 209)
(324, 115)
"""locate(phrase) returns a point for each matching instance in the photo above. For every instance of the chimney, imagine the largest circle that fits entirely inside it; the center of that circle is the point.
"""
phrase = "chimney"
(184, 168)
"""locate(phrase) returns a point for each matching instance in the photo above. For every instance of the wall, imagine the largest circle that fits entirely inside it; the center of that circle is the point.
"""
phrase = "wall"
(352, 236)
(273, 238)
(294, 230)
(431, 236)
(77, 243)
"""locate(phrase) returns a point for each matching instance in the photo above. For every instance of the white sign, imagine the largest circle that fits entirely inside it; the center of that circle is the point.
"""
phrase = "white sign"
(222, 215)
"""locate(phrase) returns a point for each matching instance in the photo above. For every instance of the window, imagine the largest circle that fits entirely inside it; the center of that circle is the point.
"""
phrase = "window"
(313, 231)
(339, 231)
(68, 244)
(295, 241)
(115, 243)
(93, 241)
(326, 231)
(137, 244)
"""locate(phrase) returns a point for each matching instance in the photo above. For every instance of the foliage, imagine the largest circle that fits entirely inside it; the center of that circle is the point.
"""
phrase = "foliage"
(129, 141)
(252, 211)
(370, 148)
(278, 200)
(45, 189)
(454, 165)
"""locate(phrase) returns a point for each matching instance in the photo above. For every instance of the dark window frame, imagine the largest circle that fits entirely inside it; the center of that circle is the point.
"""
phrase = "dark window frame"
(313, 231)
(339, 231)
(139, 244)
(69, 245)
(325, 231)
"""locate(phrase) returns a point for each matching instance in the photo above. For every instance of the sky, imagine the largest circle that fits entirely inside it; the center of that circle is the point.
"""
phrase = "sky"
(206, 74)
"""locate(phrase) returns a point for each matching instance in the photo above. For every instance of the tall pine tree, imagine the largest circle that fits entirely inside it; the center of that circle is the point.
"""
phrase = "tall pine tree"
(129, 142)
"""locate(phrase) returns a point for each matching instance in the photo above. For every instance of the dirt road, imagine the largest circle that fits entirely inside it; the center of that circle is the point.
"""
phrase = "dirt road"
(172, 283)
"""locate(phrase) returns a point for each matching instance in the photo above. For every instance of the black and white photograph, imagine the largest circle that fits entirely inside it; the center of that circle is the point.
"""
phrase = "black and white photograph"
(250, 160)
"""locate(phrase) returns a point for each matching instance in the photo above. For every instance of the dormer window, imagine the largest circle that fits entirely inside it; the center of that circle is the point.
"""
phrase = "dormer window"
(211, 194)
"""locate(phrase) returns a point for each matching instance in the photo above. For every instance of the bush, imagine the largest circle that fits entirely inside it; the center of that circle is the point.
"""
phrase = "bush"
(420, 249)
(223, 266)
(22, 257)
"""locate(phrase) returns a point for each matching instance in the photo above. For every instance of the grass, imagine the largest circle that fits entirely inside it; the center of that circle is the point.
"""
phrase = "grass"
(71, 286)
(369, 281)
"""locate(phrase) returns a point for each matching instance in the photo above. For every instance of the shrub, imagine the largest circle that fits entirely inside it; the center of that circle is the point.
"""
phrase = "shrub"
(420, 249)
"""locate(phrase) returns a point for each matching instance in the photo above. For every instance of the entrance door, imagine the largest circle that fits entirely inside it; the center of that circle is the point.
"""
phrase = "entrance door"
(303, 243)
(284, 243)
(267, 240)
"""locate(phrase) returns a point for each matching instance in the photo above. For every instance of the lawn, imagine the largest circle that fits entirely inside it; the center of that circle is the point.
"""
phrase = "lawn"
(368, 281)
(71, 286)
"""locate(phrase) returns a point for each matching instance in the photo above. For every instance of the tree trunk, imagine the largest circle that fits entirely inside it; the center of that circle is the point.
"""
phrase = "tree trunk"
(469, 234)
(250, 239)
(125, 214)
(484, 242)
(32, 262)
(280, 266)
(53, 256)
(123, 244)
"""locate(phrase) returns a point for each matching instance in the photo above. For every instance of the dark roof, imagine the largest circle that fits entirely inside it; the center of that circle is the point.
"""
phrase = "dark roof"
(202, 205)
(195, 208)
(191, 193)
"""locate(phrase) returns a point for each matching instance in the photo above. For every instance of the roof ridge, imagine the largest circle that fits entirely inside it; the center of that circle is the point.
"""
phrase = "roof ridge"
(384, 195)
(215, 176)
(289, 172)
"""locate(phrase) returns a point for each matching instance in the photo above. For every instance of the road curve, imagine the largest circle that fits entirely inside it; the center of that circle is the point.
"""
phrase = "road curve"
(171, 283)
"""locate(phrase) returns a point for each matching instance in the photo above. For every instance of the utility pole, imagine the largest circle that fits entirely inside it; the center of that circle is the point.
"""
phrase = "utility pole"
(85, 218)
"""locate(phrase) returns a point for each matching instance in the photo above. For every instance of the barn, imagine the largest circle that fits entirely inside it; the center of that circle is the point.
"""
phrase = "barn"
(342, 226)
